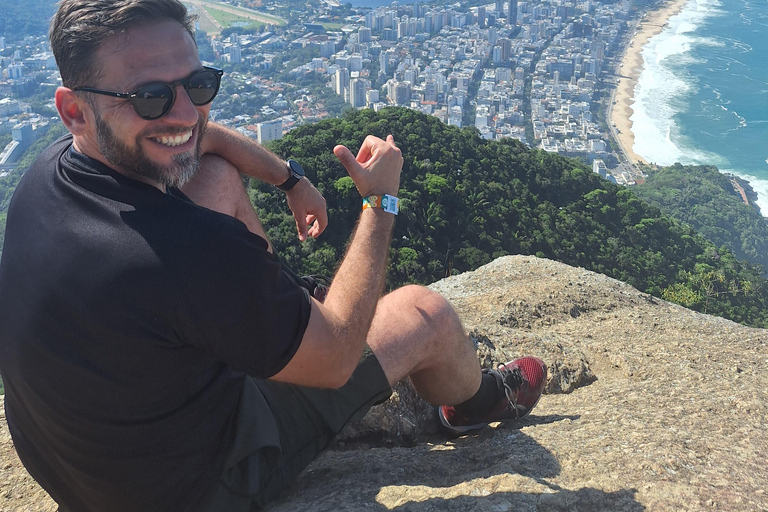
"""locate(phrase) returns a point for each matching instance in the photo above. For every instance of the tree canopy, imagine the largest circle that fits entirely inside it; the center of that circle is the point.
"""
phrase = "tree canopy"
(705, 198)
(466, 201)
(29, 17)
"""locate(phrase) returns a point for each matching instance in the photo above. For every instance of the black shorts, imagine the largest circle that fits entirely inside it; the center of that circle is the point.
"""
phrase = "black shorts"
(307, 419)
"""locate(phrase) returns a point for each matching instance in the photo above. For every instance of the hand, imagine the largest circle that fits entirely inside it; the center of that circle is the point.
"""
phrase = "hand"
(308, 207)
(377, 167)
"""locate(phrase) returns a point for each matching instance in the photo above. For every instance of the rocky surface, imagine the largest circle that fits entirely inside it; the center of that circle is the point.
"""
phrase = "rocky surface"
(649, 406)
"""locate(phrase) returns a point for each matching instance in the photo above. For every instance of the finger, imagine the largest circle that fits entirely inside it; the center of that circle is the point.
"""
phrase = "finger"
(321, 222)
(364, 154)
(313, 230)
(391, 141)
(301, 227)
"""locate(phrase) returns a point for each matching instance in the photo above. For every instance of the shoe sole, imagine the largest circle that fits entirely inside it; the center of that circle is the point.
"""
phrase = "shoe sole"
(463, 429)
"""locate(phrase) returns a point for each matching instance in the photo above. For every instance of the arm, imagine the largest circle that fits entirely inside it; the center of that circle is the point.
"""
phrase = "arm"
(252, 159)
(335, 337)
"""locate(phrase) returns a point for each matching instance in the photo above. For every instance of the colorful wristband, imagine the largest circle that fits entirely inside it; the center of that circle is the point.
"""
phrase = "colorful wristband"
(386, 202)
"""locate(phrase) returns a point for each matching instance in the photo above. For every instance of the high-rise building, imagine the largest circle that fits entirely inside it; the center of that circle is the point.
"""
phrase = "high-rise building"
(342, 80)
(371, 96)
(512, 13)
(327, 48)
(16, 71)
(402, 93)
(269, 130)
(506, 49)
(455, 116)
(384, 62)
(235, 54)
(355, 62)
(429, 23)
(357, 88)
(430, 91)
(481, 16)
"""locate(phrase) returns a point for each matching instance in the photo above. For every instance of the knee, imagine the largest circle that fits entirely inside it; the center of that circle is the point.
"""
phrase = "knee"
(434, 309)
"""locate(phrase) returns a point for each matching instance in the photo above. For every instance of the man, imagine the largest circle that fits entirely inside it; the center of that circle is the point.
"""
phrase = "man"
(155, 354)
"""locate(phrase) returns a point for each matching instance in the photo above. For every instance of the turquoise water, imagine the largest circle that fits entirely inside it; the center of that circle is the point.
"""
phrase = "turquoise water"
(702, 97)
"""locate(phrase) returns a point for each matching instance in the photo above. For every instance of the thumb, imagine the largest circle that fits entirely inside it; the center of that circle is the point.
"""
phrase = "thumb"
(348, 160)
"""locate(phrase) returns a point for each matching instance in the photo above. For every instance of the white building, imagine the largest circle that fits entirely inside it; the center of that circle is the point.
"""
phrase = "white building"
(269, 130)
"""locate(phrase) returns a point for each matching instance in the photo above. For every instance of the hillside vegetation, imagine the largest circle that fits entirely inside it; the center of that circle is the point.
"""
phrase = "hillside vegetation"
(467, 201)
(704, 198)
(26, 17)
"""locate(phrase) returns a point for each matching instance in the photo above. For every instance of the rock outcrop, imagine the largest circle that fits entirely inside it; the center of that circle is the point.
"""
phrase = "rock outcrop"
(649, 406)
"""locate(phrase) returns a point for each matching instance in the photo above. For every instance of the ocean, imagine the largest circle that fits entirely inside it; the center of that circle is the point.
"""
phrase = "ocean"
(702, 97)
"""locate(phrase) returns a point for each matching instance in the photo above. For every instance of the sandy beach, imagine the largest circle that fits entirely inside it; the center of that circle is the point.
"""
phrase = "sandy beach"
(629, 71)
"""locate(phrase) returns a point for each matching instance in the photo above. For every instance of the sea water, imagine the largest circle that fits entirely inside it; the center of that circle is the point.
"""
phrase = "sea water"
(702, 97)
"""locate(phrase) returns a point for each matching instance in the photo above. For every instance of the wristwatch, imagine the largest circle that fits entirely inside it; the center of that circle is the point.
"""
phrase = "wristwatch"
(297, 173)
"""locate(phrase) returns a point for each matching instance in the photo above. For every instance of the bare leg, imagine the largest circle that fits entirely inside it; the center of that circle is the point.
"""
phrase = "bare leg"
(219, 187)
(417, 333)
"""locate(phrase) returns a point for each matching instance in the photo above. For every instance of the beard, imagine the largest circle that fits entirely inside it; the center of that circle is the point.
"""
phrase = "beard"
(134, 160)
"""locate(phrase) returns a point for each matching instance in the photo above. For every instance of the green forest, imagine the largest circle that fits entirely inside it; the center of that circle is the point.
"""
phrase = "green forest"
(705, 198)
(466, 201)
(22, 18)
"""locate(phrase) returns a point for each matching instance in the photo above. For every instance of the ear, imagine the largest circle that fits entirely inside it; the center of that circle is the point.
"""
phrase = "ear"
(73, 110)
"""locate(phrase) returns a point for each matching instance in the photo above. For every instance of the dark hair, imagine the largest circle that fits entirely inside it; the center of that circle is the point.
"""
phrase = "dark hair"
(80, 27)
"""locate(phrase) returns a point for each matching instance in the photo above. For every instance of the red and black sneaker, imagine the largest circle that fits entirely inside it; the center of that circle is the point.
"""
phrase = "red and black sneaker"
(522, 382)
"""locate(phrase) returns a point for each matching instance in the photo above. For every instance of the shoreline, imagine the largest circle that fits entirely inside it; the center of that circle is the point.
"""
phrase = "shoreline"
(651, 23)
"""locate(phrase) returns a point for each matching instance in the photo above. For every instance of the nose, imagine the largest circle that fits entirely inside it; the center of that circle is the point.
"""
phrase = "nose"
(183, 111)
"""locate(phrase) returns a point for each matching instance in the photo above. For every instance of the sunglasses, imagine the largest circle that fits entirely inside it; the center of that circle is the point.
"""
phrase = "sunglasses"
(155, 99)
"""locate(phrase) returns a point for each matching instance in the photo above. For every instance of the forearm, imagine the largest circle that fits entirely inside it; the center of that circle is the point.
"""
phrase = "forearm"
(247, 155)
(338, 328)
(359, 282)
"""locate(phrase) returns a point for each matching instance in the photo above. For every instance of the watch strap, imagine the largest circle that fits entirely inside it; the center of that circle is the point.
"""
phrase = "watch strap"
(297, 173)
(386, 202)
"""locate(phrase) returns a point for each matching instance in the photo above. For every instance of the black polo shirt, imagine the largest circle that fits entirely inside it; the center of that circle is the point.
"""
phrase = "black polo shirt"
(129, 320)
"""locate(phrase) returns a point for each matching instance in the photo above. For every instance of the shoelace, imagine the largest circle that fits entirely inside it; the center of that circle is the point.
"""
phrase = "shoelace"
(512, 380)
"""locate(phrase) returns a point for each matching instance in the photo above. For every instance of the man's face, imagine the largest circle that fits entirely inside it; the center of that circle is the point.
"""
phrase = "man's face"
(134, 161)
(163, 151)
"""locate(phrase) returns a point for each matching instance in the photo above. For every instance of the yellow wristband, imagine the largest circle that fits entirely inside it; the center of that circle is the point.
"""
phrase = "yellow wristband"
(388, 203)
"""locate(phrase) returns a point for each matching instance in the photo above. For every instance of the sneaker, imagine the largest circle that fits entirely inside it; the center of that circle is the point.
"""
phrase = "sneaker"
(522, 381)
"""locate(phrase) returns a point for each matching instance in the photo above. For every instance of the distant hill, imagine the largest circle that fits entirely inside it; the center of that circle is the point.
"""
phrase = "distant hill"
(705, 198)
(467, 201)
(25, 18)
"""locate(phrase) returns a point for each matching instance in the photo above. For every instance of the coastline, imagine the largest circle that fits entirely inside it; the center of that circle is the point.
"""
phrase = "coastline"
(649, 25)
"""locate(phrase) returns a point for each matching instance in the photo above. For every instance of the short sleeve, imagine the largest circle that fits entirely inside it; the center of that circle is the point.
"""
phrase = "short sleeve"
(240, 304)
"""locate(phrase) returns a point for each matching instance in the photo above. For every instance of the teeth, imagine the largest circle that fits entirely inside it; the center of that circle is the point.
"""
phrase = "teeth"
(174, 140)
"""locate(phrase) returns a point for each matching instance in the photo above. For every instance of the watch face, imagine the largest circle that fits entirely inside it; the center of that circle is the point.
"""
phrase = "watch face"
(296, 167)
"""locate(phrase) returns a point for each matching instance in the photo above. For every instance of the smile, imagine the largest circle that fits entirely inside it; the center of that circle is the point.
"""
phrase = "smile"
(173, 140)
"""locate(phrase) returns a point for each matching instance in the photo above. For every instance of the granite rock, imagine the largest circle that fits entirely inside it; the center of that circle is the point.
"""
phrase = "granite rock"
(648, 406)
